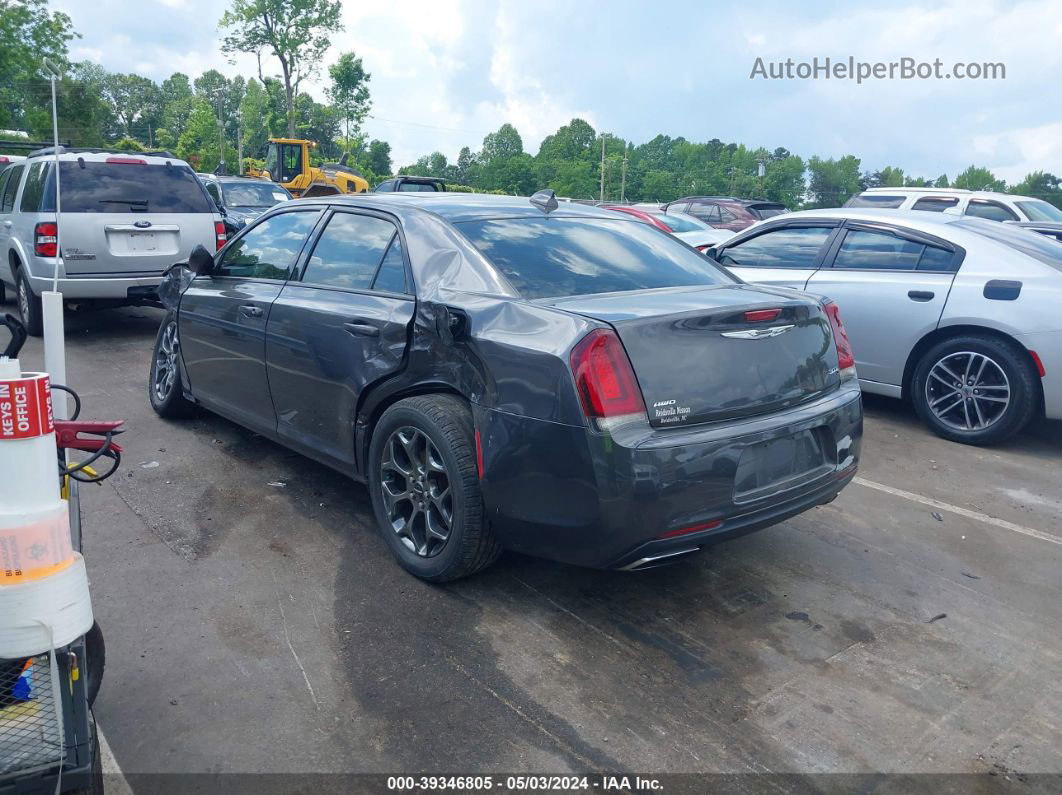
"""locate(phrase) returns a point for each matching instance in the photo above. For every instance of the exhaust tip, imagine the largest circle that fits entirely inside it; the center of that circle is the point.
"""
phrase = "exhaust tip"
(658, 560)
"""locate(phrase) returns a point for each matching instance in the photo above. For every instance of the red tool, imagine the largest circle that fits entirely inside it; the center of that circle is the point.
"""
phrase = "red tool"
(67, 435)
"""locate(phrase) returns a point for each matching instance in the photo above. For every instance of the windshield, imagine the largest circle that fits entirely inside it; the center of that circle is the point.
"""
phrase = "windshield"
(1039, 210)
(95, 187)
(1041, 247)
(680, 223)
(562, 256)
(768, 211)
(252, 194)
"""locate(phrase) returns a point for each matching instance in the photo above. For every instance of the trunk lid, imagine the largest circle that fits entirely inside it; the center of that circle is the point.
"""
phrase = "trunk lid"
(698, 358)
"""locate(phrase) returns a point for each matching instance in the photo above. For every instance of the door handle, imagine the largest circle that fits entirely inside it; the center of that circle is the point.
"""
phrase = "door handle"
(250, 310)
(362, 329)
(920, 295)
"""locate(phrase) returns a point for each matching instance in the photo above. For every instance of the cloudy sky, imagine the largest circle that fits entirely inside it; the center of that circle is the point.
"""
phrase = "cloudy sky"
(447, 72)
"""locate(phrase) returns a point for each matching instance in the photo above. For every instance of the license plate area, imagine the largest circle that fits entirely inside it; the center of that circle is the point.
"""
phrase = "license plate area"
(784, 463)
(153, 242)
(142, 241)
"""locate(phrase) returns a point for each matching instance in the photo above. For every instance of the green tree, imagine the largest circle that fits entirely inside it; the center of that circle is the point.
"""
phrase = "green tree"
(29, 32)
(832, 182)
(379, 158)
(1041, 185)
(349, 92)
(295, 32)
(978, 178)
(200, 143)
(177, 98)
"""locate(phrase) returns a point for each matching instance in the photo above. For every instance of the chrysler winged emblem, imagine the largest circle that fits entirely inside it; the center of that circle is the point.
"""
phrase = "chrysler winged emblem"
(757, 333)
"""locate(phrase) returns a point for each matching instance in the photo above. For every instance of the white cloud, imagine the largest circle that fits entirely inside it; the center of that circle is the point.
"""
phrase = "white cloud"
(1014, 153)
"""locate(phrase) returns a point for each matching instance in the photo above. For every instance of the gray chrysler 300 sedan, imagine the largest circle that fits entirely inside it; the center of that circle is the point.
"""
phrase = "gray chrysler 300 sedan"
(509, 373)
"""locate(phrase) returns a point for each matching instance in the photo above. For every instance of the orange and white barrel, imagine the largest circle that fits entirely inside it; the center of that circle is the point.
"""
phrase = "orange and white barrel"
(44, 598)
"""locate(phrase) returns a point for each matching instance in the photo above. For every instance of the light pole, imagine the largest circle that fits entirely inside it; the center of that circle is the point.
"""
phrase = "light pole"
(221, 133)
(52, 300)
(602, 196)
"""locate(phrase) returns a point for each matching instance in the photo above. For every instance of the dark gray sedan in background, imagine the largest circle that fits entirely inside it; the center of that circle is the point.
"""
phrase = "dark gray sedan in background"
(505, 373)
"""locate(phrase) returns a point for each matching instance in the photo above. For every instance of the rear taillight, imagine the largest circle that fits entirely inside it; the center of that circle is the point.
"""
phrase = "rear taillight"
(762, 315)
(845, 359)
(46, 239)
(605, 379)
(219, 235)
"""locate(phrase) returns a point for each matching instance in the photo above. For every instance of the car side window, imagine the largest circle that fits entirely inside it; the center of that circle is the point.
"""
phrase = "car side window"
(862, 250)
(875, 251)
(677, 207)
(268, 249)
(935, 204)
(349, 251)
(5, 175)
(790, 247)
(993, 211)
(34, 190)
(709, 213)
(725, 216)
(391, 277)
(7, 204)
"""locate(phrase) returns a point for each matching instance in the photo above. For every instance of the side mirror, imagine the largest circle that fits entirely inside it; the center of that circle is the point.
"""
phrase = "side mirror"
(951, 211)
(712, 253)
(200, 261)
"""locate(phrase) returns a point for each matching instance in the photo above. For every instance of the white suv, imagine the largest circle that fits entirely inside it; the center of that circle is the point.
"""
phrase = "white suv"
(125, 218)
(979, 203)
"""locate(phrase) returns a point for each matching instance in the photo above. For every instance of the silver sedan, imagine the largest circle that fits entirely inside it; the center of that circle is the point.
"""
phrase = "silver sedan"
(959, 315)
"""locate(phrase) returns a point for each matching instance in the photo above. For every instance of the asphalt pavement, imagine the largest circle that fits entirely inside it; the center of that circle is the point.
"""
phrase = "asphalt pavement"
(255, 621)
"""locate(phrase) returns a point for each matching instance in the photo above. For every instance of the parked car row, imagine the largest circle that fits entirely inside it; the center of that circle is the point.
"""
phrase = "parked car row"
(570, 381)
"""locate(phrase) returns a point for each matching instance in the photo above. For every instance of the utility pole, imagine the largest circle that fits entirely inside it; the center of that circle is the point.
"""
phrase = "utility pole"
(602, 197)
(239, 143)
(623, 178)
(221, 134)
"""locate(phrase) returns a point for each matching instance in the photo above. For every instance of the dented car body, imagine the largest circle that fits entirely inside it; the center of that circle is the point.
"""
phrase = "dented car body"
(631, 402)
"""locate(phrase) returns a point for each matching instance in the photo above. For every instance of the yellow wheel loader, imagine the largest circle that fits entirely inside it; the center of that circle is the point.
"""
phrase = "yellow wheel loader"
(288, 163)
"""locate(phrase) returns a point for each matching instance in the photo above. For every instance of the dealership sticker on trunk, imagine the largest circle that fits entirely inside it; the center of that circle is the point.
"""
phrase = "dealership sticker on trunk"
(670, 411)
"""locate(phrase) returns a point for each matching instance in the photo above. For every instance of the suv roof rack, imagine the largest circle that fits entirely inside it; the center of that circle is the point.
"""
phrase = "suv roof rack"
(91, 150)
(918, 190)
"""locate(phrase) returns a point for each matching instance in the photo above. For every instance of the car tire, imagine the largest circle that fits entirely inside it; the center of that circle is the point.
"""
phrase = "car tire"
(430, 438)
(975, 389)
(165, 387)
(30, 311)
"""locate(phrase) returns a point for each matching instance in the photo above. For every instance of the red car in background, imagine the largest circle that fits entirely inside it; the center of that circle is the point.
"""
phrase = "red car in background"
(686, 228)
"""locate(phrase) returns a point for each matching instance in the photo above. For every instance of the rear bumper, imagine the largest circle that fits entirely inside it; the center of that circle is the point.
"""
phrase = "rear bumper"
(576, 496)
(115, 288)
(1048, 346)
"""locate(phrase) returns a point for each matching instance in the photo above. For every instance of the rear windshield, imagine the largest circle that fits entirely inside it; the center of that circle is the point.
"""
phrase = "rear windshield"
(96, 187)
(253, 194)
(767, 210)
(562, 256)
(875, 200)
(1042, 247)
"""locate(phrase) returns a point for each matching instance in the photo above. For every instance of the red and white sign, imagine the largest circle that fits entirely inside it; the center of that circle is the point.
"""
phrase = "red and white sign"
(26, 407)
